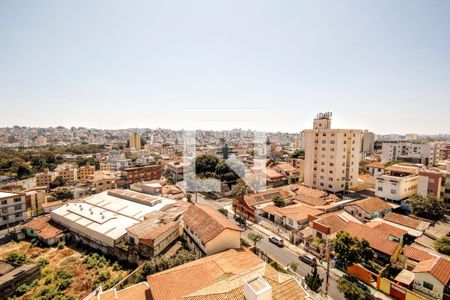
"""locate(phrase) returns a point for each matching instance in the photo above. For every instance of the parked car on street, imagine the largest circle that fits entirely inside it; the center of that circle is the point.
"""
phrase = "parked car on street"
(308, 259)
(276, 240)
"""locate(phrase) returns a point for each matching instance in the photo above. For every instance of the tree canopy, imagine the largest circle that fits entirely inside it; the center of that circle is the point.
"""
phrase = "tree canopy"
(313, 280)
(350, 290)
(206, 163)
(349, 250)
(443, 245)
(427, 207)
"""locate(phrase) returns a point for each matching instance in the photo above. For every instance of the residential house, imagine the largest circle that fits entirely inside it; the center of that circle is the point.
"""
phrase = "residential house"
(208, 232)
(432, 278)
(412, 256)
(287, 170)
(232, 274)
(386, 250)
(368, 208)
(395, 234)
(375, 168)
(293, 217)
(275, 179)
(45, 230)
(430, 183)
(249, 206)
(175, 169)
(102, 181)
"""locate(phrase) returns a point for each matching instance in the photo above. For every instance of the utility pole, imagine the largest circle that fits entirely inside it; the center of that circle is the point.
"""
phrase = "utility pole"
(327, 257)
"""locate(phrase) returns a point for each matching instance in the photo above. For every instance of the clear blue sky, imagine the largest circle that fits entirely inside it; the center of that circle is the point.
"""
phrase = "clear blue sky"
(380, 65)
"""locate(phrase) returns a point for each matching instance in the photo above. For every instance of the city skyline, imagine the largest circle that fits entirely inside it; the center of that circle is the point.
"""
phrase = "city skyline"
(380, 66)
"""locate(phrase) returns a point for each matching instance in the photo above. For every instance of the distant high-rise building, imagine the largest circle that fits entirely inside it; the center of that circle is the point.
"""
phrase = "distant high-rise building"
(368, 142)
(332, 156)
(418, 153)
(135, 141)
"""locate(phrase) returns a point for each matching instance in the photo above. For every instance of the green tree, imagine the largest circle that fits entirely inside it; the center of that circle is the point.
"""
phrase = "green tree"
(57, 182)
(313, 280)
(427, 207)
(241, 189)
(349, 250)
(298, 153)
(226, 173)
(443, 245)
(255, 238)
(350, 290)
(294, 266)
(206, 163)
(23, 172)
(17, 258)
(223, 211)
(62, 194)
(278, 201)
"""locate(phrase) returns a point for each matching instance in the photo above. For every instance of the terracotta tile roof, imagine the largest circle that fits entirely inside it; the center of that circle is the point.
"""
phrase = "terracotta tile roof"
(377, 165)
(285, 167)
(296, 212)
(149, 230)
(135, 292)
(206, 222)
(188, 278)
(438, 267)
(392, 230)
(273, 175)
(377, 239)
(51, 204)
(220, 276)
(44, 227)
(313, 201)
(402, 220)
(37, 223)
(416, 253)
(265, 197)
(334, 222)
(372, 205)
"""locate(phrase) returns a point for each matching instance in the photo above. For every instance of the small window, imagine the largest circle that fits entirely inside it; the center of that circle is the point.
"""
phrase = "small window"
(427, 285)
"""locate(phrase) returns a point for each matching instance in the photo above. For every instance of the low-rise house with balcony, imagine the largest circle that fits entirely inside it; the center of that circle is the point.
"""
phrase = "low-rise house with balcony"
(397, 184)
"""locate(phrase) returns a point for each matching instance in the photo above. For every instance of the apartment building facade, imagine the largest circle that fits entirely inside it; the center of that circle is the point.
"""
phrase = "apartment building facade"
(12, 209)
(142, 173)
(397, 183)
(430, 183)
(135, 141)
(85, 171)
(426, 153)
(332, 156)
(44, 178)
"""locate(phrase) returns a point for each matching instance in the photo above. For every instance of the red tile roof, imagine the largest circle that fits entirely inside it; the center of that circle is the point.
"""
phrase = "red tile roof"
(438, 267)
(44, 227)
(392, 230)
(372, 205)
(402, 220)
(377, 239)
(416, 253)
(377, 165)
(266, 197)
(206, 222)
(334, 222)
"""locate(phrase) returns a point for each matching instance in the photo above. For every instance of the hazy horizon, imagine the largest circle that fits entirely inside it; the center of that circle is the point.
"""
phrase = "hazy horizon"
(270, 66)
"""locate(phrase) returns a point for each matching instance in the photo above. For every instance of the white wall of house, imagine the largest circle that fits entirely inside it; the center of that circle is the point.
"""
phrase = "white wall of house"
(422, 282)
(396, 188)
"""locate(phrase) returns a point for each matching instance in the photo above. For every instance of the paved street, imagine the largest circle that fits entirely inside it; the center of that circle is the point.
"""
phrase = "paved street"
(283, 255)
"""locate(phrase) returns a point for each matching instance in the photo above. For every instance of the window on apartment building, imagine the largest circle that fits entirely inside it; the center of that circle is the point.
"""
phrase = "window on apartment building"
(332, 142)
(393, 191)
(323, 149)
(331, 171)
(321, 184)
(4, 218)
(4, 210)
(323, 155)
(330, 186)
(331, 156)
(17, 215)
(330, 178)
(4, 202)
(17, 207)
(331, 149)
(315, 169)
(317, 134)
(380, 188)
(345, 142)
(427, 285)
(324, 141)
(17, 199)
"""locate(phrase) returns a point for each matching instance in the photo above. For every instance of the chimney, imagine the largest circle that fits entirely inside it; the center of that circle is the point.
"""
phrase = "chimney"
(257, 288)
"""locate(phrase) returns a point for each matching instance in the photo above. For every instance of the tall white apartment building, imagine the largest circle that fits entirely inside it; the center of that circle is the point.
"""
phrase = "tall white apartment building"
(332, 156)
(426, 153)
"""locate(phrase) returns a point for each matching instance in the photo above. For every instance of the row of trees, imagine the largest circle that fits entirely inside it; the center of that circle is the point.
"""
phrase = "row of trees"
(427, 207)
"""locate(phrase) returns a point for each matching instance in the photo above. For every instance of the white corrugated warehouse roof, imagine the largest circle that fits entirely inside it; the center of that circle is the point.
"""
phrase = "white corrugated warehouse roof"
(104, 217)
